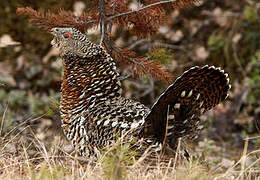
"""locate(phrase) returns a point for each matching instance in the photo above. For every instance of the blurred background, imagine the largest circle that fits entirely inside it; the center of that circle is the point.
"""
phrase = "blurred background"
(223, 33)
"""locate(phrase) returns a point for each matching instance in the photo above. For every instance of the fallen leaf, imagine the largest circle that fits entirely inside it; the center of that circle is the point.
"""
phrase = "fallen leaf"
(6, 40)
(227, 163)
(202, 53)
(236, 38)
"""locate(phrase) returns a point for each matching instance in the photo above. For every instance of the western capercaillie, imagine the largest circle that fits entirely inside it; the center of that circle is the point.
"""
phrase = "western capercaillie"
(93, 111)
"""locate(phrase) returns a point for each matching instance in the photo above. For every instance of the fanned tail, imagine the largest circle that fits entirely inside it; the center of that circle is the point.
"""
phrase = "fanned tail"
(192, 94)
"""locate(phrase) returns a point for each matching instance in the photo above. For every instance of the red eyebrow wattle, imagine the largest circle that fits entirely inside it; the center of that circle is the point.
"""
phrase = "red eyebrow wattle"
(68, 34)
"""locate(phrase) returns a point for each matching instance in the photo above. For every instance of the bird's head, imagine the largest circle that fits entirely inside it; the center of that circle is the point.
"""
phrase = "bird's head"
(72, 41)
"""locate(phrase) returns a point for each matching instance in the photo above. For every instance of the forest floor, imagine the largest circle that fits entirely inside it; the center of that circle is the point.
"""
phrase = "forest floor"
(221, 33)
(29, 153)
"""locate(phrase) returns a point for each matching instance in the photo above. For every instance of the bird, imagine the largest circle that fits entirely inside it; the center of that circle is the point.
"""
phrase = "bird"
(94, 112)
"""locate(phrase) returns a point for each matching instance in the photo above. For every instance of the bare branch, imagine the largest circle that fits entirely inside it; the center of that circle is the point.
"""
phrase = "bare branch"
(102, 29)
(137, 43)
(166, 45)
(102, 20)
(140, 9)
(146, 88)
(113, 10)
(155, 44)
(127, 57)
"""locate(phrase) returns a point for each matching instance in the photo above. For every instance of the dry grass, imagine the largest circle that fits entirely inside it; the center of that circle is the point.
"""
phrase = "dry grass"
(24, 154)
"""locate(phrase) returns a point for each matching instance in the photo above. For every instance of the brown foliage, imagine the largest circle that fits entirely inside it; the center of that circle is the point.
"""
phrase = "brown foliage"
(48, 20)
(139, 65)
(144, 21)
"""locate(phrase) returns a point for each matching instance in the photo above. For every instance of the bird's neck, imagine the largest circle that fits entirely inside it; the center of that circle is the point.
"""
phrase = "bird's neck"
(87, 82)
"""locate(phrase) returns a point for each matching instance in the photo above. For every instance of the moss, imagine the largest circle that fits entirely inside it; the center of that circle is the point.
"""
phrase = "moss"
(250, 14)
(216, 42)
(160, 55)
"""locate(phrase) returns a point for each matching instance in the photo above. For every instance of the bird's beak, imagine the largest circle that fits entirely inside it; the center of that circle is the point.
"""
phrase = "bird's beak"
(53, 31)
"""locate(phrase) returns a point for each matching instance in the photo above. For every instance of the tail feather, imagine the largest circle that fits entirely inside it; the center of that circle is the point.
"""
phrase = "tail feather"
(195, 92)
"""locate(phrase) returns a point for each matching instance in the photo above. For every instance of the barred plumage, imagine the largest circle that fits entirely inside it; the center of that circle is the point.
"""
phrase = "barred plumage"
(93, 111)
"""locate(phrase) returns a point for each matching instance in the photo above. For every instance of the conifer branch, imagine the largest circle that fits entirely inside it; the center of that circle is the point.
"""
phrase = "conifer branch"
(140, 9)
(139, 65)
(125, 56)
(145, 20)
(145, 7)
(48, 20)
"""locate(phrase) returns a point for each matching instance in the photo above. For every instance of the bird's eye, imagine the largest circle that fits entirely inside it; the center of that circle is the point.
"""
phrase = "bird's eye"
(67, 35)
